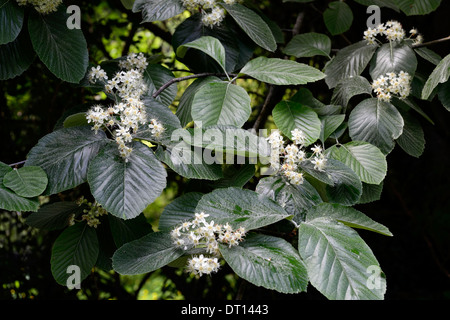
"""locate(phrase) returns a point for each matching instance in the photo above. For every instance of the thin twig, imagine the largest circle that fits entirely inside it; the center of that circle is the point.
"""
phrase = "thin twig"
(199, 75)
(17, 163)
(425, 44)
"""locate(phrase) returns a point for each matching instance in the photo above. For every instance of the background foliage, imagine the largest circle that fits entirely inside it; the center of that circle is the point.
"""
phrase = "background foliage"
(414, 203)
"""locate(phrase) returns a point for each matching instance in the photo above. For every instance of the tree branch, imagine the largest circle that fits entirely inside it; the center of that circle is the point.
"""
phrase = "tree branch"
(431, 42)
(199, 75)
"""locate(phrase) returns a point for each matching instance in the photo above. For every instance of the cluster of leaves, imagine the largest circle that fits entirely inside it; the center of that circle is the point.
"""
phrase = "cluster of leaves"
(319, 244)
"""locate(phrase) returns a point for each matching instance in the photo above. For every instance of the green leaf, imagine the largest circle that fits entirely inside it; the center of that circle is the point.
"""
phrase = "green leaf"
(338, 17)
(295, 199)
(27, 182)
(281, 72)
(10, 201)
(348, 216)
(330, 124)
(146, 254)
(230, 141)
(128, 4)
(393, 57)
(429, 55)
(253, 25)
(125, 189)
(418, 7)
(155, 76)
(158, 10)
(440, 74)
(75, 246)
(16, 56)
(235, 176)
(62, 50)
(11, 21)
(412, 140)
(207, 44)
(348, 88)
(124, 231)
(75, 120)
(65, 155)
(240, 207)
(371, 193)
(268, 262)
(54, 216)
(376, 122)
(221, 103)
(346, 188)
(309, 45)
(338, 261)
(381, 3)
(185, 105)
(366, 160)
(349, 62)
(289, 115)
(238, 47)
(189, 162)
(444, 95)
(165, 116)
(179, 210)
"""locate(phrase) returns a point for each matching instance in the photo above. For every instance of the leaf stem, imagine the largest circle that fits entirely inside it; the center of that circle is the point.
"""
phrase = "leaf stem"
(199, 75)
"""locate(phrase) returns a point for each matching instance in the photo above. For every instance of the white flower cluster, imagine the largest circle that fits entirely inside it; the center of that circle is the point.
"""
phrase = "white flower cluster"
(42, 6)
(292, 155)
(212, 14)
(392, 84)
(199, 233)
(393, 31)
(125, 116)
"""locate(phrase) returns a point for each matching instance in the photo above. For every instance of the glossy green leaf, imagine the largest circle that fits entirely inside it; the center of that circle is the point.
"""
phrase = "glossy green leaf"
(366, 160)
(295, 199)
(348, 216)
(54, 216)
(393, 57)
(412, 140)
(221, 103)
(65, 155)
(62, 50)
(330, 124)
(11, 21)
(146, 254)
(309, 45)
(281, 72)
(376, 122)
(349, 62)
(439, 75)
(27, 182)
(338, 17)
(16, 56)
(124, 231)
(75, 246)
(289, 115)
(339, 262)
(348, 88)
(179, 210)
(155, 76)
(268, 262)
(158, 10)
(209, 45)
(253, 25)
(125, 189)
(418, 7)
(240, 207)
(185, 105)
